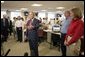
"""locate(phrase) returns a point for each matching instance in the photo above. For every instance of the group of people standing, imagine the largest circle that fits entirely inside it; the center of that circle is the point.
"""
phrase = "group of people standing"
(72, 29)
(6, 27)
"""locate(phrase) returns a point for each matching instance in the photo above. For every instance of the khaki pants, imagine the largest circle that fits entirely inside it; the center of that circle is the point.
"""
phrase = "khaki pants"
(73, 50)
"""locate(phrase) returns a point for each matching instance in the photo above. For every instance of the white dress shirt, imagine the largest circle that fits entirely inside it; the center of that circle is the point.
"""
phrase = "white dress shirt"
(19, 23)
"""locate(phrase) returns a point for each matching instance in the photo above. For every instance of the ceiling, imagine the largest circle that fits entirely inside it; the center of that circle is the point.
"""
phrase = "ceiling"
(47, 5)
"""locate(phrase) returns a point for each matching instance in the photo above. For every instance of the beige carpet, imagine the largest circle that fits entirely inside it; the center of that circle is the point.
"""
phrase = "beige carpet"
(18, 49)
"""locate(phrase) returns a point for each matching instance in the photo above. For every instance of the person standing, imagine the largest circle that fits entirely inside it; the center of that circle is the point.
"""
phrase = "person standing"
(10, 26)
(4, 27)
(14, 30)
(64, 26)
(18, 26)
(32, 27)
(81, 52)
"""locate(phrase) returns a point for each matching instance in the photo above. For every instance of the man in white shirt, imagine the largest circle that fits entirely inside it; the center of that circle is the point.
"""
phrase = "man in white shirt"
(18, 26)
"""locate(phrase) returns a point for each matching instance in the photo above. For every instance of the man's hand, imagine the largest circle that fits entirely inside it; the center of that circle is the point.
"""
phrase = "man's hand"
(1, 36)
(30, 27)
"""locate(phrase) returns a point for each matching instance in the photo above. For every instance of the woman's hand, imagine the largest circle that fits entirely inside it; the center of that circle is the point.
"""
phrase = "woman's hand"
(65, 43)
(67, 40)
(82, 37)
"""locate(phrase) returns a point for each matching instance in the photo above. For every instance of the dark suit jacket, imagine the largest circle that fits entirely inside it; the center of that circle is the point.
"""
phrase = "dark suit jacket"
(32, 34)
(10, 26)
(4, 29)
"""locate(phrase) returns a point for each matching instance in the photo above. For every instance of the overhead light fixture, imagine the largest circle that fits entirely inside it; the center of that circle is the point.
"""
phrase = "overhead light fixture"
(17, 10)
(23, 8)
(2, 1)
(43, 10)
(36, 5)
(60, 8)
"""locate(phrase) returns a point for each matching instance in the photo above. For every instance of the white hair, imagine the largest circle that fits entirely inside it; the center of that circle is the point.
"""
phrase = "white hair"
(5, 15)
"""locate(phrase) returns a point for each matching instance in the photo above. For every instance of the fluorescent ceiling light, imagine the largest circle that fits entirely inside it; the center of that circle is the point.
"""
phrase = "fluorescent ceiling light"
(2, 1)
(36, 5)
(23, 8)
(43, 10)
(17, 10)
(60, 8)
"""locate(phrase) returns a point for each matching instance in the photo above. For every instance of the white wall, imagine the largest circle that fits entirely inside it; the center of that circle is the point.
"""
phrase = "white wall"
(41, 14)
(15, 14)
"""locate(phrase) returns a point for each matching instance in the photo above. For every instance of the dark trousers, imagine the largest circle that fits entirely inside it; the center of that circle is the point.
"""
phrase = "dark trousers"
(4, 34)
(19, 33)
(10, 32)
(81, 47)
(33, 47)
(63, 47)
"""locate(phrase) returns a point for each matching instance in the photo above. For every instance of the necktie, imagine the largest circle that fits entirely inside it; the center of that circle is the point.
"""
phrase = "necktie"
(29, 22)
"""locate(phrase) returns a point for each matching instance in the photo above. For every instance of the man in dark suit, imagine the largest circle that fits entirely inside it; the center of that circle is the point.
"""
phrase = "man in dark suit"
(4, 28)
(10, 26)
(32, 27)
